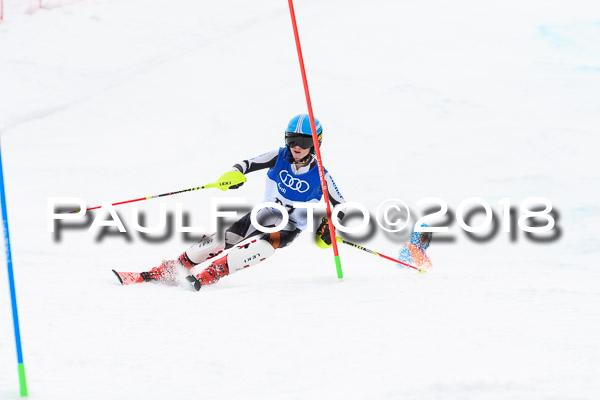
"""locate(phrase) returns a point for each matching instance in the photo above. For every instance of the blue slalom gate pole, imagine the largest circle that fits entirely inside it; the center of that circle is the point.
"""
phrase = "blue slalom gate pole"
(11, 282)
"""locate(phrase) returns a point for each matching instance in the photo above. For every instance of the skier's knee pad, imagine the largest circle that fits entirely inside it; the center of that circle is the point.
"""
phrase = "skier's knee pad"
(203, 250)
(281, 238)
(248, 254)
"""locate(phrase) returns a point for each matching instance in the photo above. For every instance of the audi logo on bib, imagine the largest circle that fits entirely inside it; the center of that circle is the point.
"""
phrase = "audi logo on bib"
(292, 182)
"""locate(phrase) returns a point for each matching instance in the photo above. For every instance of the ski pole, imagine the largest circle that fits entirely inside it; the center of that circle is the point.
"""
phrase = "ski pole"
(224, 182)
(339, 239)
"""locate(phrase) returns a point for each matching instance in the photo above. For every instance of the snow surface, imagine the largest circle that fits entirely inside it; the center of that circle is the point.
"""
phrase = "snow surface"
(109, 100)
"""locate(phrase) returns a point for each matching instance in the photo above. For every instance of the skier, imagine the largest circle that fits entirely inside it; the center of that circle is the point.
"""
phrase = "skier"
(414, 253)
(292, 177)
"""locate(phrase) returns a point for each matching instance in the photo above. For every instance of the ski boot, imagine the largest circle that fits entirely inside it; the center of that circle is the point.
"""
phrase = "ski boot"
(211, 274)
(165, 272)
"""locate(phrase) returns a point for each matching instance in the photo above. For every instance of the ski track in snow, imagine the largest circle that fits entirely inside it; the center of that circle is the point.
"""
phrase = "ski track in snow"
(110, 100)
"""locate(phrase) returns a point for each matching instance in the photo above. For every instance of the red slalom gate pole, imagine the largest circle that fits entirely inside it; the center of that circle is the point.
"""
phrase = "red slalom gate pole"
(338, 264)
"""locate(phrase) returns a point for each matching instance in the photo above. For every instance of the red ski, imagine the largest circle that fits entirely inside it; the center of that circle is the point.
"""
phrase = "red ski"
(129, 278)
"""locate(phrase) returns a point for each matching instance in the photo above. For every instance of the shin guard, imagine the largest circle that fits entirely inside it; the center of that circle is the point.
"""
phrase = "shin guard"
(239, 257)
(205, 249)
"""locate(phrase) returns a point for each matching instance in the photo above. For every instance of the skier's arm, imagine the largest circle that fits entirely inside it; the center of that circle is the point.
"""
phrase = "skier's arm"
(335, 197)
(263, 161)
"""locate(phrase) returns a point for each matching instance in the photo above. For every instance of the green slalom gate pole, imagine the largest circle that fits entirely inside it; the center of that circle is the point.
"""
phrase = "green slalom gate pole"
(11, 282)
(336, 256)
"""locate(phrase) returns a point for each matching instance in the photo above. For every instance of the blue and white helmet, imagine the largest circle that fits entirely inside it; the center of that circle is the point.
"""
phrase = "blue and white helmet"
(421, 239)
(298, 131)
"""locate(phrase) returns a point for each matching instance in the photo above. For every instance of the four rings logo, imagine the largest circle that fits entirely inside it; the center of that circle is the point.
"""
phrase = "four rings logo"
(293, 183)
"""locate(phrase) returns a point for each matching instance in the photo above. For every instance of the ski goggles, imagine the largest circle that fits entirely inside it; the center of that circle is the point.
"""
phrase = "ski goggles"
(293, 139)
